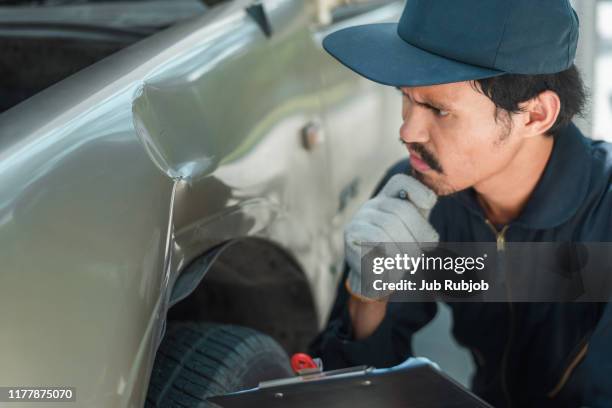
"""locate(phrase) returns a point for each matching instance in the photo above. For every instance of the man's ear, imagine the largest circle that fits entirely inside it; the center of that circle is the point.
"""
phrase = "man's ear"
(540, 113)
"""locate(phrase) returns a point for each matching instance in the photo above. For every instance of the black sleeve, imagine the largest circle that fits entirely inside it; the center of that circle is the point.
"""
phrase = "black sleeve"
(391, 342)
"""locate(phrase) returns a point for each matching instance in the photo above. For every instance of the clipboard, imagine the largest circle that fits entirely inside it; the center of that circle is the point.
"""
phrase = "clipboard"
(418, 385)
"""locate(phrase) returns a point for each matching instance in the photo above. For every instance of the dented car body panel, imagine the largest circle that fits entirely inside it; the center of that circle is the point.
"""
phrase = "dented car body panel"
(114, 179)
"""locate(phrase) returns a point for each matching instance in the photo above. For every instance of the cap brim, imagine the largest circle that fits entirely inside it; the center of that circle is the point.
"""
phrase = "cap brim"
(377, 52)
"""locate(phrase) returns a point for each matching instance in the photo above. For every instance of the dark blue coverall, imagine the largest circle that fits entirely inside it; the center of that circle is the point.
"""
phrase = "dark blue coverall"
(526, 354)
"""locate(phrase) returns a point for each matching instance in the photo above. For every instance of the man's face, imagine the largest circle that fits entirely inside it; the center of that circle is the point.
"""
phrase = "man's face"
(453, 128)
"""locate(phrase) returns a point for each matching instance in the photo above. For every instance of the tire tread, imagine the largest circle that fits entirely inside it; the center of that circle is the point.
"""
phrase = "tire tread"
(197, 360)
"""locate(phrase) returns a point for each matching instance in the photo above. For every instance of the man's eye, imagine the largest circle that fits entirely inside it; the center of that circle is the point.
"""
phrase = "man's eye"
(440, 113)
(437, 112)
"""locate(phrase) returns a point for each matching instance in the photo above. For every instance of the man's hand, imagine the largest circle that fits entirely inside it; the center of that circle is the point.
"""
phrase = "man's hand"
(397, 214)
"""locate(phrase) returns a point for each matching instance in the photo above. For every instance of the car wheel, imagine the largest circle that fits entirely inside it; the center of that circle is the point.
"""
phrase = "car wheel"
(199, 360)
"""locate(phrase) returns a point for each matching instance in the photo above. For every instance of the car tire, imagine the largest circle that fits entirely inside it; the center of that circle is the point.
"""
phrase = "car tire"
(199, 360)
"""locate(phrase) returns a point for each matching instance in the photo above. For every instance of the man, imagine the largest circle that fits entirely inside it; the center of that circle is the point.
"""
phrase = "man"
(489, 89)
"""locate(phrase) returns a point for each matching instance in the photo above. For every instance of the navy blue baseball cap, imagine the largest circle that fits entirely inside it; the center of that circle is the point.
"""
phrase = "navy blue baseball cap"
(443, 41)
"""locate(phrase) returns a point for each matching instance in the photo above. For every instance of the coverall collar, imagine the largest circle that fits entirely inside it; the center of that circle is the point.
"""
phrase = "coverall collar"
(559, 192)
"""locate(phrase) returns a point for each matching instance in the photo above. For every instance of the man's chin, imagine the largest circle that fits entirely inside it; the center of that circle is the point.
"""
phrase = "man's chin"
(436, 186)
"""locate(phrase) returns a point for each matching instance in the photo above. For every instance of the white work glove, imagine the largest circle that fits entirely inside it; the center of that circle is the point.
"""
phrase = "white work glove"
(398, 214)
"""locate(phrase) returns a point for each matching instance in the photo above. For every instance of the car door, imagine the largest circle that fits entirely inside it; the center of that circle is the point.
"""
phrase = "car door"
(361, 117)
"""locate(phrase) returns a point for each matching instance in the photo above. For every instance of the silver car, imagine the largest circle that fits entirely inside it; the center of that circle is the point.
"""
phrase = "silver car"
(171, 216)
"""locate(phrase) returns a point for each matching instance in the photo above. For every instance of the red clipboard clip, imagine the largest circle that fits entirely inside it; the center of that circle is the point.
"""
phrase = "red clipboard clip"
(302, 364)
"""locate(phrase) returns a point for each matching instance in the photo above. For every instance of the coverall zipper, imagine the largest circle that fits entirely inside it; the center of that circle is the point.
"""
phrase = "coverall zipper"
(501, 246)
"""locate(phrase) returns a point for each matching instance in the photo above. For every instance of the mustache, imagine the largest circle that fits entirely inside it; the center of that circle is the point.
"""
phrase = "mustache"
(427, 157)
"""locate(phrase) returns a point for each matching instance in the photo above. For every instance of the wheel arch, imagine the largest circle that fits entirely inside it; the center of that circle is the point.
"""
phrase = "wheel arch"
(248, 281)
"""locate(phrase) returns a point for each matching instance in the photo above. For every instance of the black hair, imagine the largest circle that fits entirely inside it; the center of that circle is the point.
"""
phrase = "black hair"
(509, 90)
